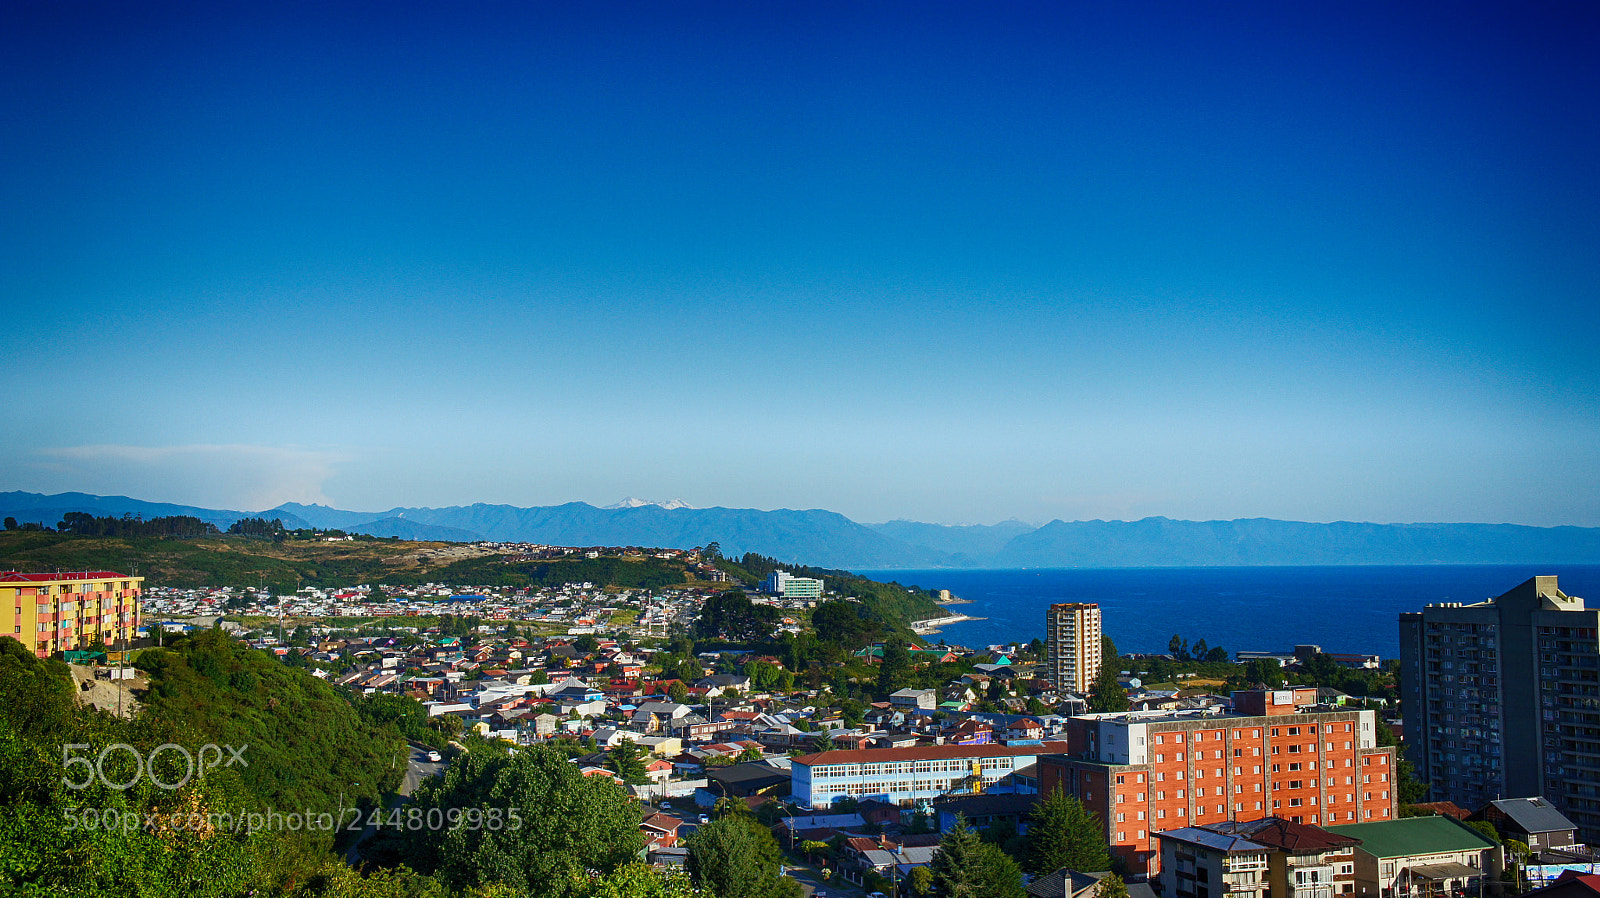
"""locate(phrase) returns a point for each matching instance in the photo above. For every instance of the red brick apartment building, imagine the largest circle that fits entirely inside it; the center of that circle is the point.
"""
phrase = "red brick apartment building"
(1143, 772)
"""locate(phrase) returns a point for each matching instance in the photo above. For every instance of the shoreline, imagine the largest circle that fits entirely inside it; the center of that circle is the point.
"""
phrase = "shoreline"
(931, 626)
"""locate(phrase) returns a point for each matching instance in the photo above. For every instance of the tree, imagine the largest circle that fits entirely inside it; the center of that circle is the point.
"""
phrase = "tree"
(823, 742)
(1321, 670)
(11, 523)
(1267, 673)
(566, 823)
(632, 881)
(1112, 887)
(1062, 833)
(678, 692)
(895, 666)
(920, 882)
(1178, 647)
(735, 857)
(1485, 827)
(844, 623)
(968, 867)
(626, 759)
(732, 616)
(1105, 694)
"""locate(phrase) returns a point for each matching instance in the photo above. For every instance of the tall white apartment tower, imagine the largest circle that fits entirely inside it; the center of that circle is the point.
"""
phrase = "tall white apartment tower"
(1072, 645)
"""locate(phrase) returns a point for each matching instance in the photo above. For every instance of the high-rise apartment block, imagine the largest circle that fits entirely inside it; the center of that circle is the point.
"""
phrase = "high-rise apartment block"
(1072, 645)
(1502, 700)
(64, 612)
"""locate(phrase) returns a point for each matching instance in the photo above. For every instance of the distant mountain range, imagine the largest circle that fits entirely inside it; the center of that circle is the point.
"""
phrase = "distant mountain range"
(828, 539)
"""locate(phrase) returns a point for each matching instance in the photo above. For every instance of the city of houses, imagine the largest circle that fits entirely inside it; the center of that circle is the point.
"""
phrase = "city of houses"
(1284, 791)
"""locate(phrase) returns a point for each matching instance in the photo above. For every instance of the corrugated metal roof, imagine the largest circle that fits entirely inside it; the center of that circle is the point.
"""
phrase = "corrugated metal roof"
(1215, 841)
(1534, 815)
(1413, 836)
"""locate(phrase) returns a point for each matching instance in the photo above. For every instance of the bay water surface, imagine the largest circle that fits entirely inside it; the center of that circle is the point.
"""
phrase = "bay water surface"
(1342, 609)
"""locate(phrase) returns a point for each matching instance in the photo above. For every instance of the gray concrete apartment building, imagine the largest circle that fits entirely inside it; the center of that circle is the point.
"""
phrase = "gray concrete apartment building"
(1502, 700)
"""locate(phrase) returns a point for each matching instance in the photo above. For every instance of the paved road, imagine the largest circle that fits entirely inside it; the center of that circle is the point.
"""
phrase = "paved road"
(810, 879)
(418, 768)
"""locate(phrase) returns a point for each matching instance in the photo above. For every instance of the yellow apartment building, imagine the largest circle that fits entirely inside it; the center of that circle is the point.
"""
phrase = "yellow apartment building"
(70, 611)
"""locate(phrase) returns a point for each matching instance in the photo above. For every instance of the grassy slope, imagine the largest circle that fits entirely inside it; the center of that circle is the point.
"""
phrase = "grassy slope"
(236, 561)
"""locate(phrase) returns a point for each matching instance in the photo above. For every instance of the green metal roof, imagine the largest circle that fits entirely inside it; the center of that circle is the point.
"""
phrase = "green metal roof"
(1413, 836)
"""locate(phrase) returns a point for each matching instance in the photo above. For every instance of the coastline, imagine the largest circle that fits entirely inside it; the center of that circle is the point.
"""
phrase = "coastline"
(930, 626)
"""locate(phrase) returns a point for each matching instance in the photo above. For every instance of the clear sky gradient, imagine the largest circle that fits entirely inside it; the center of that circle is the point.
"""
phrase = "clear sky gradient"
(953, 263)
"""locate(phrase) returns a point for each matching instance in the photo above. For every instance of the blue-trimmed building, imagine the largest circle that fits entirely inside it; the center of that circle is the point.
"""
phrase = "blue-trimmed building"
(904, 776)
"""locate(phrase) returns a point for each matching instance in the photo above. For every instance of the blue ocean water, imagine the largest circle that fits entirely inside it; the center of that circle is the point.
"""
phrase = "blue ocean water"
(1341, 609)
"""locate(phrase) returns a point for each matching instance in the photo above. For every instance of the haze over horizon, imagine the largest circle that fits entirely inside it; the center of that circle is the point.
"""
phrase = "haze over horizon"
(932, 263)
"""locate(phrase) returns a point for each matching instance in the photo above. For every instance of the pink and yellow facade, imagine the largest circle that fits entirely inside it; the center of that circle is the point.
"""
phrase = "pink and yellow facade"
(70, 611)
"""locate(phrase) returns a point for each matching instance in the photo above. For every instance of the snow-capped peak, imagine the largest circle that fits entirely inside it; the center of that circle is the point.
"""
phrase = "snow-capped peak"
(631, 502)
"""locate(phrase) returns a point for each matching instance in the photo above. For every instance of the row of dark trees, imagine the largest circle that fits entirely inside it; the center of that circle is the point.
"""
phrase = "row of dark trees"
(260, 528)
(129, 526)
(1181, 650)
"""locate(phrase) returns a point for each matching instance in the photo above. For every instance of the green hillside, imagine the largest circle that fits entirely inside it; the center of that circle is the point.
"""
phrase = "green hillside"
(246, 561)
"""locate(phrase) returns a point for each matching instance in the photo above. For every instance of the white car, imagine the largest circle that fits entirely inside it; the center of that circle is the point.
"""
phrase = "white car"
(435, 757)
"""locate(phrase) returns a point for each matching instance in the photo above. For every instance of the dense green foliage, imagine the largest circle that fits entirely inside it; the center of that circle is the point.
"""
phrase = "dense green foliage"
(529, 821)
(850, 624)
(578, 837)
(1112, 887)
(179, 526)
(732, 616)
(887, 601)
(735, 856)
(968, 867)
(627, 760)
(406, 715)
(308, 747)
(1062, 833)
(66, 831)
(894, 669)
(1105, 694)
(258, 527)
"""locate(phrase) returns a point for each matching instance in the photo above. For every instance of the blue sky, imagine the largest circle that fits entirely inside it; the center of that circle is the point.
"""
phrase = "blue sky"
(936, 262)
